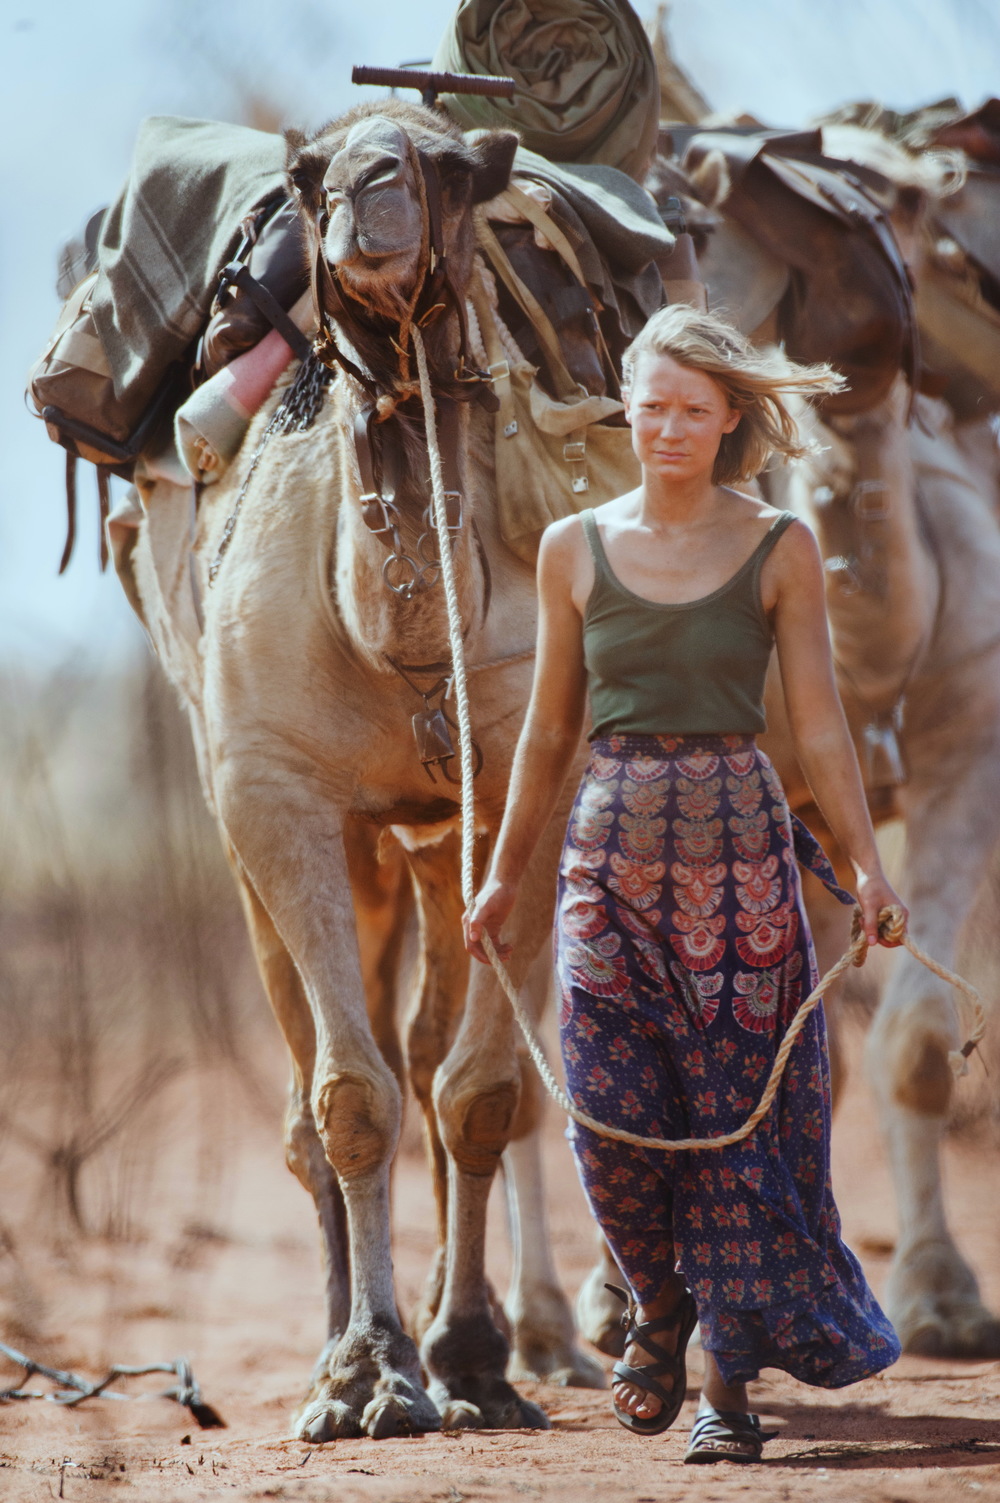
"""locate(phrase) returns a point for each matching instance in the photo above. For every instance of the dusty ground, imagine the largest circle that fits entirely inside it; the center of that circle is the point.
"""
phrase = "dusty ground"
(237, 1289)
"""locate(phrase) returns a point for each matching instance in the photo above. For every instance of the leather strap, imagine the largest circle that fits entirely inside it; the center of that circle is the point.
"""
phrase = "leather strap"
(325, 346)
(238, 275)
(104, 506)
(67, 552)
(548, 339)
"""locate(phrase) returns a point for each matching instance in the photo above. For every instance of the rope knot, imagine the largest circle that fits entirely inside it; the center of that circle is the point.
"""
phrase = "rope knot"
(891, 928)
(892, 925)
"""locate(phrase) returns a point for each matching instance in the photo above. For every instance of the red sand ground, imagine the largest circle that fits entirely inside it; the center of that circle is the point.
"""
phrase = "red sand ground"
(239, 1293)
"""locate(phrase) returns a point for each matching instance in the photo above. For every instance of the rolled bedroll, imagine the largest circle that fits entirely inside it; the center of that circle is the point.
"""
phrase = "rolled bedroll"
(587, 88)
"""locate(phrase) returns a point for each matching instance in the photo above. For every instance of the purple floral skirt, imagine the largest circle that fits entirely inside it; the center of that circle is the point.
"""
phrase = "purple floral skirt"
(683, 951)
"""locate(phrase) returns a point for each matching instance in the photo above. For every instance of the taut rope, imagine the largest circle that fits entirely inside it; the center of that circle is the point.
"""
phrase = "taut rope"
(891, 920)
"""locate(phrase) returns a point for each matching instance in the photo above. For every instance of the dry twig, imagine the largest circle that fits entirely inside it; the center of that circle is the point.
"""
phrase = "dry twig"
(71, 1389)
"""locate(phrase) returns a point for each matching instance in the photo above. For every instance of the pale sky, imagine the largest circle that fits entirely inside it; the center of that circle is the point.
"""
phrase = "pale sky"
(78, 79)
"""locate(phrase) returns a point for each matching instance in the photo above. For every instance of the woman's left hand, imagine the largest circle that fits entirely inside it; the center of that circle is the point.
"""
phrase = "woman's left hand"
(875, 893)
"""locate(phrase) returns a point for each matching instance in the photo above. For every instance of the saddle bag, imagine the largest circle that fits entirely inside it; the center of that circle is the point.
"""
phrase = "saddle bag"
(72, 386)
(72, 389)
(554, 455)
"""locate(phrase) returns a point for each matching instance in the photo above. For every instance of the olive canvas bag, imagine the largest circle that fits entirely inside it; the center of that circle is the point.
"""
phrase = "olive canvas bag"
(554, 455)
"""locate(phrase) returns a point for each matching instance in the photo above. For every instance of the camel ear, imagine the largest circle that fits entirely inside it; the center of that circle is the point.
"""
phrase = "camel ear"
(305, 167)
(710, 180)
(492, 152)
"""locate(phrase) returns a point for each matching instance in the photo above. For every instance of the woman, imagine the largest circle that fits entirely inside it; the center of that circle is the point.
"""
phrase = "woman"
(682, 945)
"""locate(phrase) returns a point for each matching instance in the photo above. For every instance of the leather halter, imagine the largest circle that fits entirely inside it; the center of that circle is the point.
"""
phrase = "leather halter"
(379, 451)
(436, 291)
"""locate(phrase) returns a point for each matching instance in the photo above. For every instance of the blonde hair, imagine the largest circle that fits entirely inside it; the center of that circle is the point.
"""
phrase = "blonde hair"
(754, 382)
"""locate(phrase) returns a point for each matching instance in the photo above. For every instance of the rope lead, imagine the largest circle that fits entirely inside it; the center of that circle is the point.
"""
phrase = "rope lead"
(892, 924)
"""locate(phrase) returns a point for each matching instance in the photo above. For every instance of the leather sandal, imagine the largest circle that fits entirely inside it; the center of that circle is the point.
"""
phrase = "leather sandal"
(725, 1435)
(683, 1320)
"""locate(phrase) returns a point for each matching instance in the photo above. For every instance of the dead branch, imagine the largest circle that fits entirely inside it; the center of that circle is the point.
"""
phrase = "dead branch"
(72, 1390)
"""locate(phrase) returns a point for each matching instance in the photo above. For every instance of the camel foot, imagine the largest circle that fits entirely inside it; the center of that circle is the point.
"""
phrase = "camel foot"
(543, 1345)
(933, 1301)
(368, 1384)
(485, 1403)
(599, 1314)
(466, 1361)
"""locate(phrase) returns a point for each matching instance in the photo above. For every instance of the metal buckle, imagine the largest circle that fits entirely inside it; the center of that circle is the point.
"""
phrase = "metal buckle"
(378, 514)
(575, 453)
(499, 370)
(867, 506)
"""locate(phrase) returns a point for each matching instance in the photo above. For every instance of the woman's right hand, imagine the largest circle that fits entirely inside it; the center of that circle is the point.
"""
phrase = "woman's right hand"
(488, 914)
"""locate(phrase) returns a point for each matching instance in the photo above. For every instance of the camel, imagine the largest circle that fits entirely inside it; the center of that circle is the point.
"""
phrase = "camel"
(283, 652)
(912, 546)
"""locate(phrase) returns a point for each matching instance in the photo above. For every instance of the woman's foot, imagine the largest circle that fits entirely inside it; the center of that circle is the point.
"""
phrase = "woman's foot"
(628, 1398)
(720, 1395)
(724, 1429)
(724, 1435)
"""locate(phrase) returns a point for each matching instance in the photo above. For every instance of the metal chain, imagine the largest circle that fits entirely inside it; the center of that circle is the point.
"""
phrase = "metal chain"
(295, 413)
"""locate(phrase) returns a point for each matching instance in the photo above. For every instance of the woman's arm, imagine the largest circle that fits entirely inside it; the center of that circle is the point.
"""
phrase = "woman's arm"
(819, 730)
(548, 740)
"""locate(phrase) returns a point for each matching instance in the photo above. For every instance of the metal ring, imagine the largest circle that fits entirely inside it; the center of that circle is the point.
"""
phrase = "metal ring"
(432, 561)
(405, 587)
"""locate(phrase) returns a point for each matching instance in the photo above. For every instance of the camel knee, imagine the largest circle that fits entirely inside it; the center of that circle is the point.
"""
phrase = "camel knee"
(357, 1118)
(476, 1124)
(908, 1058)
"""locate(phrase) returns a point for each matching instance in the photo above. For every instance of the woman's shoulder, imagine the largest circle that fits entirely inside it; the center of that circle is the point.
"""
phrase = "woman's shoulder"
(756, 512)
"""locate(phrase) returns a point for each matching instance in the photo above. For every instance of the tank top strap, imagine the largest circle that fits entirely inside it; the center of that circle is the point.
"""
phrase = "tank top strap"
(781, 523)
(602, 569)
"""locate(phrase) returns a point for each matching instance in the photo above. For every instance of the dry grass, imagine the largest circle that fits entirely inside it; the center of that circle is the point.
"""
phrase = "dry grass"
(123, 962)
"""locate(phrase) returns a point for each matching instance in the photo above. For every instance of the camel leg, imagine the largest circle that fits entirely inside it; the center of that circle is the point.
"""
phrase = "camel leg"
(598, 1312)
(289, 841)
(438, 997)
(543, 1338)
(383, 899)
(303, 1150)
(932, 1295)
(476, 1095)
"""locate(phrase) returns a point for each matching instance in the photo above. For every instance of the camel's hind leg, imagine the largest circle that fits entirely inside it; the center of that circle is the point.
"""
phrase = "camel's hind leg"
(536, 1317)
(438, 999)
(598, 1311)
(383, 901)
(543, 1337)
(476, 1093)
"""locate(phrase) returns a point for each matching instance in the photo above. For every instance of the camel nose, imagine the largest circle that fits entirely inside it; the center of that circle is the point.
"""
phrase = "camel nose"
(374, 213)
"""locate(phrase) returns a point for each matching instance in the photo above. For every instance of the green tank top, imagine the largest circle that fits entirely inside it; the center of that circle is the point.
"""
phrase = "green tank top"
(691, 669)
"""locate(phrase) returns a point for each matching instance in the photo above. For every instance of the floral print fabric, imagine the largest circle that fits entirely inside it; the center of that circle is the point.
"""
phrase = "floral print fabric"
(683, 953)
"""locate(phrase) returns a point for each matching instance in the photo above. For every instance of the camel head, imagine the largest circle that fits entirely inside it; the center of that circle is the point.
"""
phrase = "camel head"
(367, 185)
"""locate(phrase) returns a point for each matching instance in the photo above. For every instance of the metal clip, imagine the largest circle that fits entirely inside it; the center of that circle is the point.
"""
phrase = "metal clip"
(510, 429)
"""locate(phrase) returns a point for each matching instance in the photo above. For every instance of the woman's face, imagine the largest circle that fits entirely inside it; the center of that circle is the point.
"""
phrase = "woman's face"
(678, 417)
